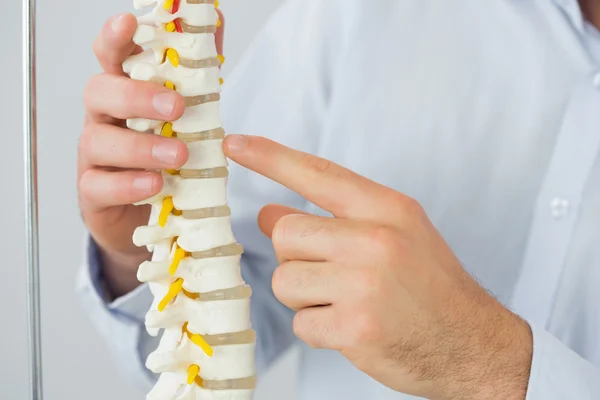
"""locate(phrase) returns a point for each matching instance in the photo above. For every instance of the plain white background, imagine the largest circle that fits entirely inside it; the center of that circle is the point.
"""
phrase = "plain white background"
(76, 365)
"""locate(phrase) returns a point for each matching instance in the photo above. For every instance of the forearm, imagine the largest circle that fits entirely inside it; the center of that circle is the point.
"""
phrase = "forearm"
(505, 375)
(119, 271)
(497, 362)
(539, 367)
(119, 322)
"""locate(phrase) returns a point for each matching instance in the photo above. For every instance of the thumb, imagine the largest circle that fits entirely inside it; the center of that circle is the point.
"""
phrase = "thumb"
(269, 215)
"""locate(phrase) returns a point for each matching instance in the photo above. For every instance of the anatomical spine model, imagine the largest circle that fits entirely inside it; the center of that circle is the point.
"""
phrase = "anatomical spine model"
(201, 302)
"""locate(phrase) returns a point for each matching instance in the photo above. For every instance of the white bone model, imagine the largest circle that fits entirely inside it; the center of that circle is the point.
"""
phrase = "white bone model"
(200, 302)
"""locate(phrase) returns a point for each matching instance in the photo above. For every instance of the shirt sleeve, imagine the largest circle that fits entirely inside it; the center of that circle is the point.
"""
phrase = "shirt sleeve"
(559, 373)
(120, 323)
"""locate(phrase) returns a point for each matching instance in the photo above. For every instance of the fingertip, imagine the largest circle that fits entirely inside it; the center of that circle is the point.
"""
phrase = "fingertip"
(115, 42)
(235, 144)
(182, 155)
(266, 221)
(123, 26)
(179, 107)
(169, 104)
(157, 183)
(147, 184)
(270, 214)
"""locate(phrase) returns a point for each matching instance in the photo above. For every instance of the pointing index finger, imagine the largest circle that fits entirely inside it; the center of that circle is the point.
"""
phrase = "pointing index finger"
(326, 184)
(115, 44)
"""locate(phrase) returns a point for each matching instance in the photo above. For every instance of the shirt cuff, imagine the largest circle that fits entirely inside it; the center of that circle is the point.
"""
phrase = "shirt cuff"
(557, 372)
(133, 306)
(121, 322)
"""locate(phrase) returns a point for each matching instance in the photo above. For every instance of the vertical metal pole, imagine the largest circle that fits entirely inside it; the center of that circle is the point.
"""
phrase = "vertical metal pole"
(31, 198)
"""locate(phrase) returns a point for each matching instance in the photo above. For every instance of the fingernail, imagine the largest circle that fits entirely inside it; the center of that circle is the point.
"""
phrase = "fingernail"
(166, 152)
(144, 183)
(236, 143)
(116, 23)
(164, 103)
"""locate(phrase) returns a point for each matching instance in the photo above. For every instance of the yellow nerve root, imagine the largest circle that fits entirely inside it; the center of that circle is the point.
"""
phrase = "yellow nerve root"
(221, 81)
(171, 27)
(174, 290)
(218, 23)
(198, 340)
(169, 4)
(221, 58)
(170, 85)
(217, 4)
(167, 130)
(177, 257)
(193, 372)
(173, 57)
(165, 211)
(193, 296)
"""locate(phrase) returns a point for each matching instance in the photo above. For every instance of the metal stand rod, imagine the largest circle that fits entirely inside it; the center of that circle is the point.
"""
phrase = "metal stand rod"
(31, 199)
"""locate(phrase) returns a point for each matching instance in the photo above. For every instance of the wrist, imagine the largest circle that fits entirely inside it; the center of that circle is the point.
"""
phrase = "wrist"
(508, 362)
(494, 361)
(513, 380)
(118, 271)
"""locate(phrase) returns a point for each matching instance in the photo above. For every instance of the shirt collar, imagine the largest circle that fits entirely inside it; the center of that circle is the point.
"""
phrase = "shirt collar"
(573, 12)
(590, 35)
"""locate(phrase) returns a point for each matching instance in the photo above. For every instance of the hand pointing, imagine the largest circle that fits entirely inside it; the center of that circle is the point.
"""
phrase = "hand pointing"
(378, 283)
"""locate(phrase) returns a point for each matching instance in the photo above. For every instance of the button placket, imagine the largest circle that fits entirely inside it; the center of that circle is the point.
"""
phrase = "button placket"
(559, 208)
(555, 216)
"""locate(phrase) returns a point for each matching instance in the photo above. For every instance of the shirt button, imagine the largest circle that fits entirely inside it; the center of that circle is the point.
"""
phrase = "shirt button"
(559, 208)
(597, 80)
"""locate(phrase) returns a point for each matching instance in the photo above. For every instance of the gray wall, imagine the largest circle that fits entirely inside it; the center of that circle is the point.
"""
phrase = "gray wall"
(76, 365)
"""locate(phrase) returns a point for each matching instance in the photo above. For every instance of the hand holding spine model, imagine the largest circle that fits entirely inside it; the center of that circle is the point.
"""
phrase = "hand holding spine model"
(200, 301)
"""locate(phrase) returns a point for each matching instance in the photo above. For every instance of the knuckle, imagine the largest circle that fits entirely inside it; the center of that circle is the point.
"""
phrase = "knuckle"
(85, 185)
(89, 91)
(129, 94)
(97, 48)
(407, 205)
(312, 226)
(292, 277)
(365, 328)
(302, 326)
(303, 277)
(382, 238)
(366, 284)
(86, 140)
(297, 325)
(316, 164)
(412, 207)
(278, 282)
(386, 244)
(257, 142)
(282, 229)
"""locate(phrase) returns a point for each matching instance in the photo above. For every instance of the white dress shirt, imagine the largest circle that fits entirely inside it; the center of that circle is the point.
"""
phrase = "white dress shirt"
(487, 112)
